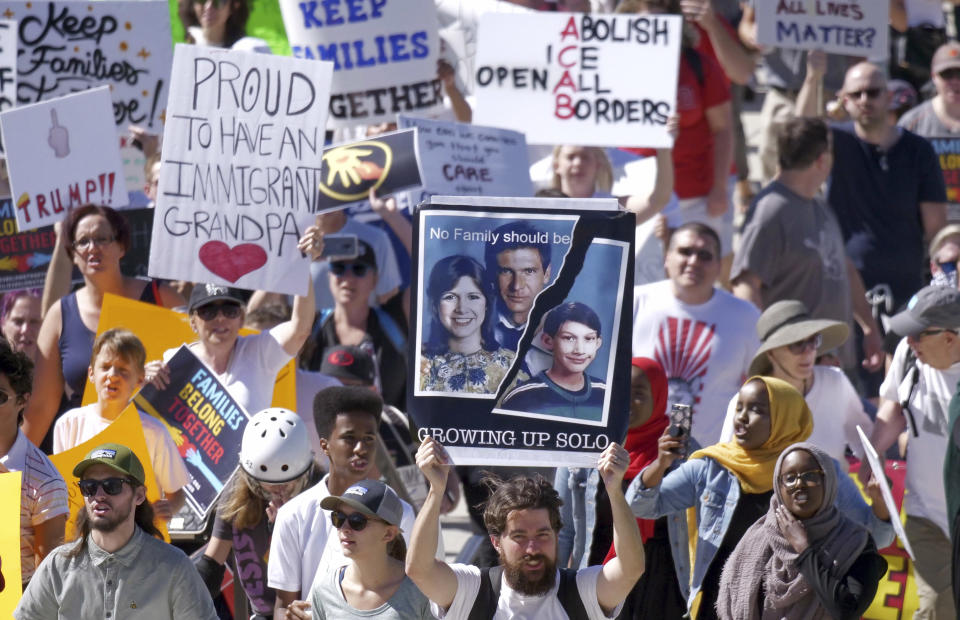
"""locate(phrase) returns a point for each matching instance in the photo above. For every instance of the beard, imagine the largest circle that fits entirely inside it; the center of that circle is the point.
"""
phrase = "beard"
(118, 514)
(520, 581)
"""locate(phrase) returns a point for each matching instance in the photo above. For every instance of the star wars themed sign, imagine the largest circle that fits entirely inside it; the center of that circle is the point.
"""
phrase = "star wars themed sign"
(70, 46)
(385, 164)
(522, 329)
(241, 168)
(205, 422)
(572, 79)
(62, 153)
(384, 54)
(851, 27)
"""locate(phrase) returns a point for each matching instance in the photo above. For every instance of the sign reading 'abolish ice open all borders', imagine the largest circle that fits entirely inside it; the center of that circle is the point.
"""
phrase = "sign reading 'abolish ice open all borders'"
(572, 79)
(242, 150)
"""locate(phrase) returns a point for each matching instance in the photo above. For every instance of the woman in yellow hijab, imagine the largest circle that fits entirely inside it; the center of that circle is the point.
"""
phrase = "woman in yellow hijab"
(729, 486)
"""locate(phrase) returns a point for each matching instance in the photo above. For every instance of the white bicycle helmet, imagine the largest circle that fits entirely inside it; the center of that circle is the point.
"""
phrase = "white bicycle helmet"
(275, 446)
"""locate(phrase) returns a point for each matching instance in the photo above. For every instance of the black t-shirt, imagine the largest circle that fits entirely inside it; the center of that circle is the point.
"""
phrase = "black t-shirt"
(876, 196)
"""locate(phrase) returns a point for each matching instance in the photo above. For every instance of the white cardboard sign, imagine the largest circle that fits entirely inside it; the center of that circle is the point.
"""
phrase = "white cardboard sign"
(469, 160)
(384, 54)
(565, 78)
(851, 27)
(8, 66)
(242, 152)
(874, 459)
(62, 153)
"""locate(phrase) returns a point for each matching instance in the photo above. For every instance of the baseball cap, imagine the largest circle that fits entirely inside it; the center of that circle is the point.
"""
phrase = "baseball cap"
(932, 306)
(348, 362)
(113, 455)
(902, 95)
(365, 255)
(946, 57)
(204, 294)
(370, 497)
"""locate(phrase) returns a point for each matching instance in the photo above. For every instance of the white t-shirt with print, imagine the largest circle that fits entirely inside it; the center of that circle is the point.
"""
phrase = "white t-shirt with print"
(837, 410)
(515, 606)
(930, 402)
(705, 350)
(84, 423)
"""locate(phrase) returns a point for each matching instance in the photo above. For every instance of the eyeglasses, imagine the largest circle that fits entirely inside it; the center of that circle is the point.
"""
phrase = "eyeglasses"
(358, 269)
(111, 486)
(949, 74)
(357, 521)
(85, 242)
(871, 93)
(810, 478)
(932, 332)
(813, 342)
(704, 256)
(210, 312)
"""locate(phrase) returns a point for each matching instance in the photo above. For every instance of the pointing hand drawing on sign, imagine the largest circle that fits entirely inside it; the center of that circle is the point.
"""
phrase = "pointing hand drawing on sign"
(58, 138)
(346, 163)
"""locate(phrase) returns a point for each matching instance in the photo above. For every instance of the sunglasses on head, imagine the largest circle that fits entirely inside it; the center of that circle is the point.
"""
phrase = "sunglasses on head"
(358, 269)
(111, 486)
(813, 342)
(208, 313)
(357, 521)
(871, 93)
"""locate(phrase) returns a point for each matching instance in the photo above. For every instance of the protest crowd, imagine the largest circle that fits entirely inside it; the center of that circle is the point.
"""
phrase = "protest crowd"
(659, 383)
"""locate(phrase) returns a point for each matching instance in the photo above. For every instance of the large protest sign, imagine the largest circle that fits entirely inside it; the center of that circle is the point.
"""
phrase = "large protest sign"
(160, 329)
(10, 579)
(8, 66)
(948, 153)
(67, 47)
(500, 293)
(241, 168)
(460, 159)
(206, 424)
(23, 256)
(572, 79)
(125, 430)
(384, 53)
(851, 27)
(62, 153)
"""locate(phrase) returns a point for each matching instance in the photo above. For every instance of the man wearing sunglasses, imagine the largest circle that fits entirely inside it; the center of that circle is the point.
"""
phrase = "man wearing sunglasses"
(118, 567)
(916, 397)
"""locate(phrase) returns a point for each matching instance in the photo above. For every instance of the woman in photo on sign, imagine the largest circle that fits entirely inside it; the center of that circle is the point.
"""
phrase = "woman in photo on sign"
(729, 486)
(276, 465)
(804, 558)
(219, 23)
(461, 353)
(95, 238)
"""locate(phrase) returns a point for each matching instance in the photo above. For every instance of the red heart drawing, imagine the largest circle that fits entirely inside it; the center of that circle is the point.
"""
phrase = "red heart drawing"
(231, 264)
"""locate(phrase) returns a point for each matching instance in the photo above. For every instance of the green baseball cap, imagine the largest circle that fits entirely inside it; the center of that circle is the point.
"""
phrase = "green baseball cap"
(113, 455)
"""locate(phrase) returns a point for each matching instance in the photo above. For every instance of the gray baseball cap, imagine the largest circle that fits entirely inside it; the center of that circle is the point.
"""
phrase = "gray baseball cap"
(370, 497)
(932, 306)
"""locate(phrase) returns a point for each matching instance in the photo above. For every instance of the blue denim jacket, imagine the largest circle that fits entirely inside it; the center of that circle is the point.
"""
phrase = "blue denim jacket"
(709, 487)
(577, 487)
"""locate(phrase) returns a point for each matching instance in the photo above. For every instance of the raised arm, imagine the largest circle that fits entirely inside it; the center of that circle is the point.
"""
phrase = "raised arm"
(434, 578)
(621, 573)
(293, 333)
(47, 379)
(57, 282)
(810, 102)
(737, 61)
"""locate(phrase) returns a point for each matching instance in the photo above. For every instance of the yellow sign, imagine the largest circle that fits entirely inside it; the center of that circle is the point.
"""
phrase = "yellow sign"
(125, 430)
(160, 329)
(10, 587)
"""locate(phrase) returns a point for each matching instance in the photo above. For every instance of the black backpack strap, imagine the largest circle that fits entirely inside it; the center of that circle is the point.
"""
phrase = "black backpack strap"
(569, 595)
(489, 594)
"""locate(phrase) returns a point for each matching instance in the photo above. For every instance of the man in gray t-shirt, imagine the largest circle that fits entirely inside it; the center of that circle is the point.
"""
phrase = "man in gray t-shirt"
(792, 246)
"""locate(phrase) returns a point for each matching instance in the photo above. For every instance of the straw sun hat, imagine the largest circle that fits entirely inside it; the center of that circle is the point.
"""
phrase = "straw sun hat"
(789, 321)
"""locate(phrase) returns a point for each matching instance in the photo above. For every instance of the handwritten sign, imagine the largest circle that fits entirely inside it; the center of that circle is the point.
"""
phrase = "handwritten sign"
(206, 424)
(126, 430)
(384, 53)
(8, 66)
(572, 79)
(62, 153)
(459, 159)
(851, 27)
(241, 167)
(10, 578)
(67, 47)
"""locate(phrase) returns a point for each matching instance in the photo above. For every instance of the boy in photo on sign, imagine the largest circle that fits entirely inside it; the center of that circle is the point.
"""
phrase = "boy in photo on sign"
(116, 370)
(572, 333)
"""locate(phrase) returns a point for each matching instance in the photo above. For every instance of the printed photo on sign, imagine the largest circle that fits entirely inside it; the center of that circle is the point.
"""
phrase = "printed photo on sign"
(570, 362)
(62, 153)
(480, 275)
(851, 27)
(384, 54)
(241, 169)
(563, 78)
(518, 319)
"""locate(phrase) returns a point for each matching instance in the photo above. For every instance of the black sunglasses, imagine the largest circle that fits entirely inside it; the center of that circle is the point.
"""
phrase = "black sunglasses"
(208, 313)
(357, 521)
(358, 269)
(871, 93)
(950, 74)
(111, 486)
